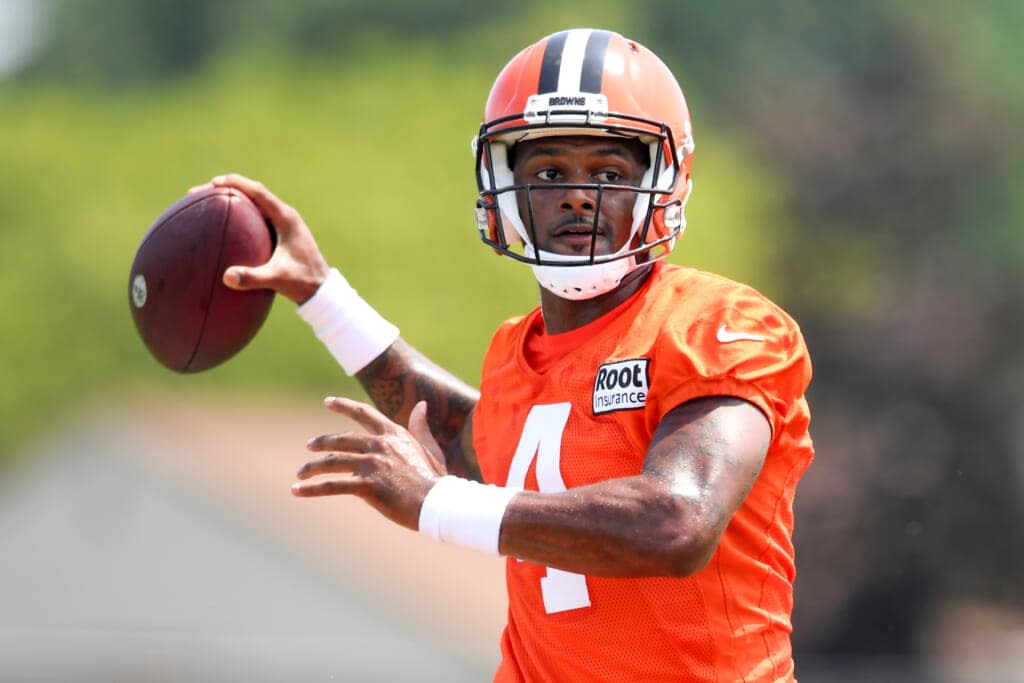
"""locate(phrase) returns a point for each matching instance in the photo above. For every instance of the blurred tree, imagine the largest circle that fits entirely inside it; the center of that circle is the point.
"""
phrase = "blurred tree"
(905, 276)
(867, 111)
(122, 42)
(126, 43)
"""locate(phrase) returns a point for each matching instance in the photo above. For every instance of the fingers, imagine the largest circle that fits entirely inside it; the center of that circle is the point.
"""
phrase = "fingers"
(246, 277)
(329, 488)
(351, 442)
(371, 419)
(296, 268)
(349, 456)
(420, 429)
(279, 213)
(418, 426)
(335, 463)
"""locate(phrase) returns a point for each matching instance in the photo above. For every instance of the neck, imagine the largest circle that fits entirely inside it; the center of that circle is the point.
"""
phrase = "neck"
(565, 315)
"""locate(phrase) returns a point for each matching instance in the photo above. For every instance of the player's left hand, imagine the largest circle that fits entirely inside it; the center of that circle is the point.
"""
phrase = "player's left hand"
(390, 467)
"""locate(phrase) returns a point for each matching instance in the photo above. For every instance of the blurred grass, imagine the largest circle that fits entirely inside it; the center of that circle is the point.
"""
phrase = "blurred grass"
(372, 149)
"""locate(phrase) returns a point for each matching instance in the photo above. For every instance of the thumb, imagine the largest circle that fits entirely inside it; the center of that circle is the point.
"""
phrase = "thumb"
(243, 277)
(420, 431)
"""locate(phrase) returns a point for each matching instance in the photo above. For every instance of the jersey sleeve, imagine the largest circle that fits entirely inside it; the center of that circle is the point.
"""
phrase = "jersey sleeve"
(743, 346)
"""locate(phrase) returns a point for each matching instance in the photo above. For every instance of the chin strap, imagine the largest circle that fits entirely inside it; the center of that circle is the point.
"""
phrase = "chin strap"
(577, 283)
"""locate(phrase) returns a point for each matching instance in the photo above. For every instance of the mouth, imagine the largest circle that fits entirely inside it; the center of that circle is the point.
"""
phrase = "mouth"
(577, 229)
(576, 238)
(574, 225)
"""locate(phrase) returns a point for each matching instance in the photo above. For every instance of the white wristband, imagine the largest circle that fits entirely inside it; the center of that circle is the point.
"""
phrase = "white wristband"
(353, 332)
(465, 512)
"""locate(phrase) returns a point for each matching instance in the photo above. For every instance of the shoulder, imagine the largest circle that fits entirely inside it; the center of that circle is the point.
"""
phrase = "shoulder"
(508, 338)
(512, 328)
(697, 292)
(719, 336)
(710, 311)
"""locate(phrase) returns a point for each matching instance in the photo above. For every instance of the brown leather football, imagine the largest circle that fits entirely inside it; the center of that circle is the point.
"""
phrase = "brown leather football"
(188, 319)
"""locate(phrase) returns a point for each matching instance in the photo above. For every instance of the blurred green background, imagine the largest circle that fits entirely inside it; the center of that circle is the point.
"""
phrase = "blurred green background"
(860, 163)
(366, 132)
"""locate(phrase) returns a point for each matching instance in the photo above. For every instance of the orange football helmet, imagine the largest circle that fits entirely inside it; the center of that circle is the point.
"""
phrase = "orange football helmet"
(585, 82)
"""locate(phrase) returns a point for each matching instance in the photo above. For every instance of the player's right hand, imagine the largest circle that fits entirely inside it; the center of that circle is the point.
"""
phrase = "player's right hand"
(297, 268)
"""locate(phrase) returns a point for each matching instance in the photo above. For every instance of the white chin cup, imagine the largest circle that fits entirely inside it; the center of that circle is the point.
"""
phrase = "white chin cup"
(577, 283)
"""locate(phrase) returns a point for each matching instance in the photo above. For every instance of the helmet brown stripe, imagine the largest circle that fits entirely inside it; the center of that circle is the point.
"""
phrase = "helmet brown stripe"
(552, 63)
(593, 61)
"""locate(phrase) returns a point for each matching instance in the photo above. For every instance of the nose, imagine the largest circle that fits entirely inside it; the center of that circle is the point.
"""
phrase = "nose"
(577, 200)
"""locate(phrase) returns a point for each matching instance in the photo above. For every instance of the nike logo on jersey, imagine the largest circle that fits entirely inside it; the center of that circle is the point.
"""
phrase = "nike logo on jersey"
(622, 385)
(726, 336)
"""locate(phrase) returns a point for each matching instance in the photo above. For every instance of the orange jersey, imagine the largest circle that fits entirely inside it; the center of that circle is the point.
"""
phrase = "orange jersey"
(589, 416)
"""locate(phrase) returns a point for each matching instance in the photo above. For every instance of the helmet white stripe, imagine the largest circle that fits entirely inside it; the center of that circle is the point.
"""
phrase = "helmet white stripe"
(572, 60)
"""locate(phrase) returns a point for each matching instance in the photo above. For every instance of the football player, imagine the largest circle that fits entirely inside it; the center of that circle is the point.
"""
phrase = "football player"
(636, 442)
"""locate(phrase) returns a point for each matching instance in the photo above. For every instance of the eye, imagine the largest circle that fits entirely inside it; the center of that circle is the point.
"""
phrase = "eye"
(547, 174)
(610, 177)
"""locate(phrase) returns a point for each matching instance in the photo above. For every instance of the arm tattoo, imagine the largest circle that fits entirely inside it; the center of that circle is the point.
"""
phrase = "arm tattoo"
(401, 377)
(449, 409)
(386, 394)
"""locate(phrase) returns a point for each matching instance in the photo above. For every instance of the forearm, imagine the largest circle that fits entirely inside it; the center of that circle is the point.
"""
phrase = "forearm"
(667, 520)
(632, 526)
(401, 376)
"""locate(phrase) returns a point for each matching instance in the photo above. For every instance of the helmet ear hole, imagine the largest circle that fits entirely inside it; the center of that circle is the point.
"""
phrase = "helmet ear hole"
(494, 179)
(510, 220)
(673, 216)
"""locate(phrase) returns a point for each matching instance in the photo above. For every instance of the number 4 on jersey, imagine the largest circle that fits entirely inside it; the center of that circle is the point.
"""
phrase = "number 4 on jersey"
(542, 437)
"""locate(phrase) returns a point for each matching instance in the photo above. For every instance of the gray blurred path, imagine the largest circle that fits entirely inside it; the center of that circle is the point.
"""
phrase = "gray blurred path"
(112, 571)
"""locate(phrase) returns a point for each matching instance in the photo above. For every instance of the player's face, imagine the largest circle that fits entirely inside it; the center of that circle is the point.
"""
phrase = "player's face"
(563, 218)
